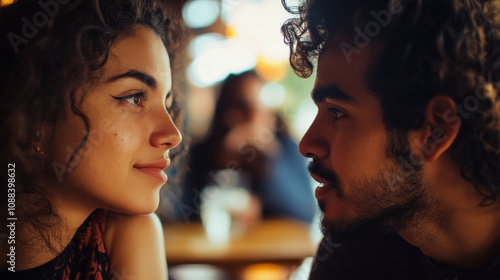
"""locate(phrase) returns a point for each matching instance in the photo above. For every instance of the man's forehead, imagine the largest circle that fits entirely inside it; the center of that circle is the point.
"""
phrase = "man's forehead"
(342, 49)
(348, 76)
(332, 61)
(333, 42)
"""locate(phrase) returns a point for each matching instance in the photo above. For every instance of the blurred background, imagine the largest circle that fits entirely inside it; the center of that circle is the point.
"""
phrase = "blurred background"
(233, 36)
(244, 206)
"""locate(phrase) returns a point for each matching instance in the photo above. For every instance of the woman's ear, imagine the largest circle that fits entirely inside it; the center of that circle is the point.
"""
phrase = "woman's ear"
(46, 133)
(439, 130)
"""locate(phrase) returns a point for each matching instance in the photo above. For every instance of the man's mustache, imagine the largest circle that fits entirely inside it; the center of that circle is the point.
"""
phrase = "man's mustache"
(317, 168)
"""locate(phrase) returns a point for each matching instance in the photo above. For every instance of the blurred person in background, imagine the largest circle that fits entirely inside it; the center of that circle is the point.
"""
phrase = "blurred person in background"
(406, 142)
(87, 107)
(248, 137)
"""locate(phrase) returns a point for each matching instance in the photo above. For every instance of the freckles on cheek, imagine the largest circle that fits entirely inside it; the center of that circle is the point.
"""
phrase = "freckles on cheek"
(114, 146)
(127, 136)
(124, 139)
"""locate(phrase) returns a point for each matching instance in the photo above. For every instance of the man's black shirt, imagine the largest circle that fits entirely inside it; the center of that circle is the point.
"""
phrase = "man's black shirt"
(388, 257)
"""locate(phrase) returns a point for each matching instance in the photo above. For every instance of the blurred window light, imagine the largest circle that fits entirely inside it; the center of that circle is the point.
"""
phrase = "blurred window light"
(229, 6)
(232, 10)
(243, 55)
(203, 42)
(264, 31)
(200, 13)
(212, 65)
(273, 94)
(304, 117)
(196, 271)
(203, 72)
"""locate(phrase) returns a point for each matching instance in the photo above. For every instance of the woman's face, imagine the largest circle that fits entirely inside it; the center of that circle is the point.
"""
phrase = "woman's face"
(245, 105)
(120, 166)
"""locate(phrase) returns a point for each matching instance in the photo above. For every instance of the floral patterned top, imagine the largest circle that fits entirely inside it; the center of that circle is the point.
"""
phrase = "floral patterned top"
(84, 258)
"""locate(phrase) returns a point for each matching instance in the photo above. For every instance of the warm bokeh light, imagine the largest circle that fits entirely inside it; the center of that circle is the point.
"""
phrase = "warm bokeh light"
(265, 271)
(231, 32)
(271, 70)
(6, 2)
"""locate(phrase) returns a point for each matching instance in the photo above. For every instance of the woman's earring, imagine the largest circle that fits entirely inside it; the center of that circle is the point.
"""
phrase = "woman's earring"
(39, 150)
(37, 143)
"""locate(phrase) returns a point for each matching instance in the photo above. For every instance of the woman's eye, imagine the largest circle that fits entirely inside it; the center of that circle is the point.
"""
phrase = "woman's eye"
(136, 99)
(337, 114)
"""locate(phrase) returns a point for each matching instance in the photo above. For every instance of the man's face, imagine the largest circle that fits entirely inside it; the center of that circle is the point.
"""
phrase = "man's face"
(355, 158)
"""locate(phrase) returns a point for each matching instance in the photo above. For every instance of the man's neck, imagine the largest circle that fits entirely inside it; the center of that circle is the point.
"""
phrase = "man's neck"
(469, 243)
(460, 232)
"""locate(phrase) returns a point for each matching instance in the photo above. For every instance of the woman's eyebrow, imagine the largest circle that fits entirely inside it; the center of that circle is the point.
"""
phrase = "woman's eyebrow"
(141, 76)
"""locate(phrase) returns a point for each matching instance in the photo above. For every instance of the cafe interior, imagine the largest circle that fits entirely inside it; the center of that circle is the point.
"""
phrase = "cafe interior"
(230, 233)
(219, 236)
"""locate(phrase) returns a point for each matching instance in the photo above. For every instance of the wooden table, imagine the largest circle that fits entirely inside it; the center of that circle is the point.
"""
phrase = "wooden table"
(276, 241)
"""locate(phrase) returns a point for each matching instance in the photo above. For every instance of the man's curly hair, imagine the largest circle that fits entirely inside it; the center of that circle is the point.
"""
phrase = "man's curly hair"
(430, 48)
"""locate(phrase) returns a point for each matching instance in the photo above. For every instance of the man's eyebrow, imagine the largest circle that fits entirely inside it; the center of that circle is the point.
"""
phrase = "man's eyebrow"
(141, 76)
(320, 94)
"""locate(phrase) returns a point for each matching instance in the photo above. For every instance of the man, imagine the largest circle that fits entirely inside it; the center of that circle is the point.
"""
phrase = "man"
(406, 142)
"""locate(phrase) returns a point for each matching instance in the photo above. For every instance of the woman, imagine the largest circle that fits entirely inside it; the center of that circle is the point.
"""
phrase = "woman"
(250, 138)
(87, 129)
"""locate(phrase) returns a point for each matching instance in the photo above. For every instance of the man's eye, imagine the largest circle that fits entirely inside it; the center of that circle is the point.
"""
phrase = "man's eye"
(337, 114)
(136, 99)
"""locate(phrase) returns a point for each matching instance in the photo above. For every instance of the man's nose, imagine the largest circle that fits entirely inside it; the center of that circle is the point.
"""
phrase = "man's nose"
(313, 143)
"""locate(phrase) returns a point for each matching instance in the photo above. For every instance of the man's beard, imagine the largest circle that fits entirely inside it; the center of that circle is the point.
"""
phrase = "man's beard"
(387, 203)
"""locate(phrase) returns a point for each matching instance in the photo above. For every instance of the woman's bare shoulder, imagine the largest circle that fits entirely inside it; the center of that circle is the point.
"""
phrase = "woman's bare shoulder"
(135, 246)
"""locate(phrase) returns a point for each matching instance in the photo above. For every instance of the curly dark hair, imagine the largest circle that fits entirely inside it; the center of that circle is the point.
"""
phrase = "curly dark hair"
(430, 48)
(47, 53)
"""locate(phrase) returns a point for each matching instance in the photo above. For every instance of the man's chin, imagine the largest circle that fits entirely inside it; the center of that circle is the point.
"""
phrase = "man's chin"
(351, 232)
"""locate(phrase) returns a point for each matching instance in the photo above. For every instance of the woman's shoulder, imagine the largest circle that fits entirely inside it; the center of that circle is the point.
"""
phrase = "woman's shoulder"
(135, 245)
(119, 226)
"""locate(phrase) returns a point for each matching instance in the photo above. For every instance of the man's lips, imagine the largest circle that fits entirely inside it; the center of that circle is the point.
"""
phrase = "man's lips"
(323, 189)
(323, 182)
(155, 169)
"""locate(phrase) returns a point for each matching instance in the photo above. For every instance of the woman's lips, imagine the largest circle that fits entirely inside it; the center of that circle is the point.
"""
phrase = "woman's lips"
(155, 169)
(157, 173)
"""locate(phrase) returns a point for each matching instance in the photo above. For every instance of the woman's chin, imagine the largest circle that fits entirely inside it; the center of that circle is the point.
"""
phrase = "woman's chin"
(143, 209)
